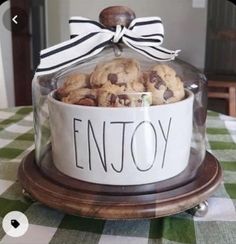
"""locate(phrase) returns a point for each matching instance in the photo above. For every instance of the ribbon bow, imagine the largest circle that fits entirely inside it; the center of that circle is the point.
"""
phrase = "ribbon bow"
(88, 38)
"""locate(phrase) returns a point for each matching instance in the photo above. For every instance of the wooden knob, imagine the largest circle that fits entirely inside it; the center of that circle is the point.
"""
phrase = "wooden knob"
(116, 15)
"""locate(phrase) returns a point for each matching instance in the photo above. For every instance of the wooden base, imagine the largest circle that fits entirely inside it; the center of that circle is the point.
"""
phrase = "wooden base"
(99, 203)
(48, 168)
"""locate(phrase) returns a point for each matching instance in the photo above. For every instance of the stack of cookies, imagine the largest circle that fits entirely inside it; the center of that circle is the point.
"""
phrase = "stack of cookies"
(121, 83)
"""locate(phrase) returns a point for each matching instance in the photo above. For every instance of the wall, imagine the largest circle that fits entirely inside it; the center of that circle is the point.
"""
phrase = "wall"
(3, 92)
(6, 64)
(185, 26)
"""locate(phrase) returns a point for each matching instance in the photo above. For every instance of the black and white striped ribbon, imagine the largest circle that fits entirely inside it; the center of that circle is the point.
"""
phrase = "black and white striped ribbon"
(88, 38)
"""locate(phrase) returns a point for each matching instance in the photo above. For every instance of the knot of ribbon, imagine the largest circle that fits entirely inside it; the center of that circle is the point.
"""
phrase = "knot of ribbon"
(88, 38)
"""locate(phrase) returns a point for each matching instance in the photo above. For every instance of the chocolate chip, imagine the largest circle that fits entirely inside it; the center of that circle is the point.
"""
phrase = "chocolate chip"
(159, 83)
(112, 78)
(168, 94)
(124, 100)
(113, 99)
(140, 101)
(127, 103)
(123, 97)
(153, 76)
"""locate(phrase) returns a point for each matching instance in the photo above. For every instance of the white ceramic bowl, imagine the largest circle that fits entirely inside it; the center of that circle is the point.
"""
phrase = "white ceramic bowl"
(121, 146)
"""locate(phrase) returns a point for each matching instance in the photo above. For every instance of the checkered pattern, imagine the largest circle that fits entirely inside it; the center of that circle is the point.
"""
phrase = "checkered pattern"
(48, 225)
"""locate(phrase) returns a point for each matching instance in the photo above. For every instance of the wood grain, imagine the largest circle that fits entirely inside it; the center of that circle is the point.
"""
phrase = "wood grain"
(116, 15)
(108, 206)
(50, 171)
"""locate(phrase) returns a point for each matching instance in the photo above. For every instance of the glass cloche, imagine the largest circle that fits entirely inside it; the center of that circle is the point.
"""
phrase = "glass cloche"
(120, 117)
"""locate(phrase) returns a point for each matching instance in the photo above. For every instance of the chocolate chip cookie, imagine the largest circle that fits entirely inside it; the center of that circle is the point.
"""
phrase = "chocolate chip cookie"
(164, 84)
(120, 83)
(114, 96)
(107, 95)
(83, 96)
(119, 71)
(73, 82)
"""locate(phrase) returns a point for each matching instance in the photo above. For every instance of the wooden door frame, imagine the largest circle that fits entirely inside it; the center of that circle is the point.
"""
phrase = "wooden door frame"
(21, 49)
(26, 46)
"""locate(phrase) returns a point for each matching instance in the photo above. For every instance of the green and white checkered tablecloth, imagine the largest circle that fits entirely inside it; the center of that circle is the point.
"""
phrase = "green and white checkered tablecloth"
(48, 225)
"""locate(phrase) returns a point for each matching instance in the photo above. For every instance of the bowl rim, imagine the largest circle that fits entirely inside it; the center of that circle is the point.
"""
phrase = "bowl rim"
(51, 98)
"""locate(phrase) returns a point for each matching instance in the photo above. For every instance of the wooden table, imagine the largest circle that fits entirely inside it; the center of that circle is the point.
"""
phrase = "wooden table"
(228, 92)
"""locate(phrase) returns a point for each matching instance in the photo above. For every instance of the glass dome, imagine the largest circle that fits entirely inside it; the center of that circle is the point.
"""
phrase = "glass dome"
(145, 141)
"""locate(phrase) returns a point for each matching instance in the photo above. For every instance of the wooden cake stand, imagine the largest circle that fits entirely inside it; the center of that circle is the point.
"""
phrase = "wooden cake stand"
(54, 189)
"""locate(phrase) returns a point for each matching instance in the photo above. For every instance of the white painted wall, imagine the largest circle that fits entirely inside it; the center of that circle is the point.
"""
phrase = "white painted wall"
(7, 98)
(185, 26)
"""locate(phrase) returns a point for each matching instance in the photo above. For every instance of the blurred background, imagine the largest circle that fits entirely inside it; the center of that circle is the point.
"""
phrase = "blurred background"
(205, 31)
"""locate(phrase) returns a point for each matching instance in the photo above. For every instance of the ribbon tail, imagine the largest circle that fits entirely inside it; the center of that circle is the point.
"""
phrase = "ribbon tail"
(61, 56)
(154, 52)
(45, 71)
